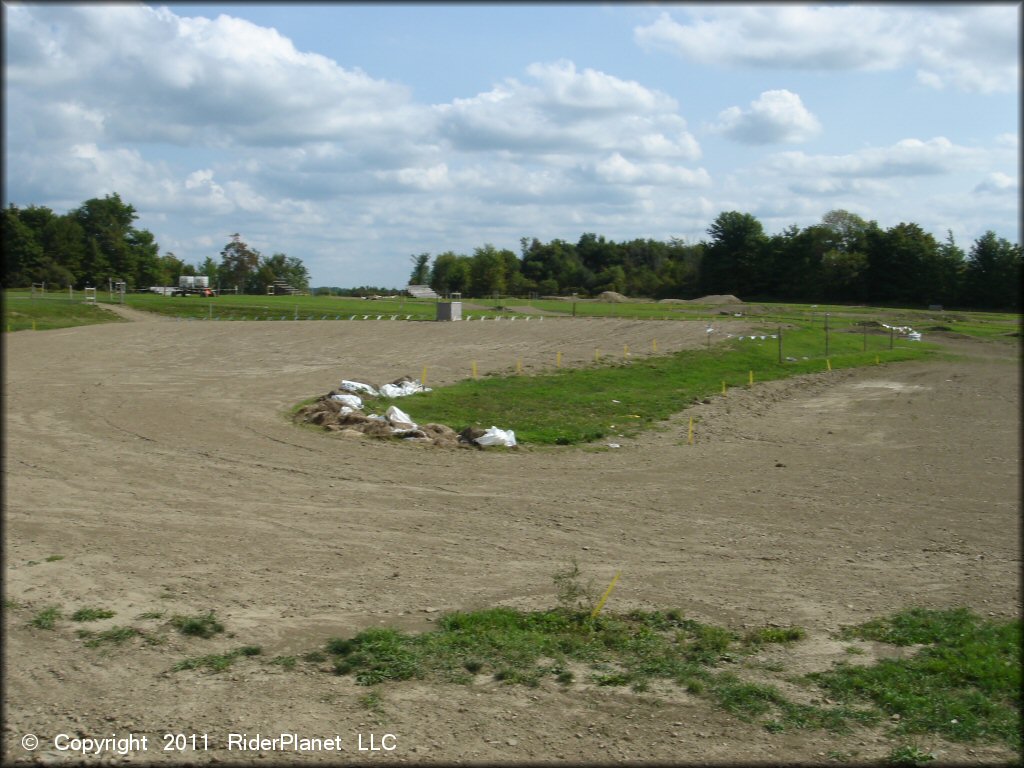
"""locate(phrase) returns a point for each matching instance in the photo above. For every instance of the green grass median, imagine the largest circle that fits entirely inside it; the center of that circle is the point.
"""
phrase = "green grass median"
(580, 405)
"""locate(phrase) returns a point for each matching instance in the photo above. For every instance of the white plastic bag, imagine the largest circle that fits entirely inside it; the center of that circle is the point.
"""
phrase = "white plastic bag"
(357, 386)
(398, 418)
(352, 401)
(403, 389)
(495, 436)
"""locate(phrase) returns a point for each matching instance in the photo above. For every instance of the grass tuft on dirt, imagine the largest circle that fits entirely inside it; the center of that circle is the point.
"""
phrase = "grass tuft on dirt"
(965, 684)
(205, 625)
(217, 662)
(92, 614)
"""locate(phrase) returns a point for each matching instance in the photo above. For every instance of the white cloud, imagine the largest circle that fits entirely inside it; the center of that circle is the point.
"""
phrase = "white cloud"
(969, 47)
(212, 126)
(568, 112)
(1008, 140)
(616, 169)
(998, 183)
(433, 178)
(777, 116)
(149, 75)
(908, 157)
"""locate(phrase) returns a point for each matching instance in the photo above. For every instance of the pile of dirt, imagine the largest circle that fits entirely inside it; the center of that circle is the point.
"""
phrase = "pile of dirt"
(333, 415)
(612, 297)
(717, 298)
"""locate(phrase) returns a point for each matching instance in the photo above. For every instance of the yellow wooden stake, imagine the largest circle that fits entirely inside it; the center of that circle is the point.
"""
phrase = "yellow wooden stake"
(828, 363)
(625, 350)
(604, 597)
(597, 355)
(689, 437)
(474, 369)
(558, 360)
(876, 360)
(654, 346)
(423, 379)
(723, 388)
(751, 378)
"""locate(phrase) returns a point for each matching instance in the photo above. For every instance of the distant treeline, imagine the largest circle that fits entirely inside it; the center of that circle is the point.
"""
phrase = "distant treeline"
(362, 291)
(842, 259)
(97, 242)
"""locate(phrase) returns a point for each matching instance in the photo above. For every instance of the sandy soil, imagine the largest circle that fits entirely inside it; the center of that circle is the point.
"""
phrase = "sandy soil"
(156, 459)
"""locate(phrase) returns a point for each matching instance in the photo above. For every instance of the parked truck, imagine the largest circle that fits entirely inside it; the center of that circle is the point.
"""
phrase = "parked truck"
(194, 285)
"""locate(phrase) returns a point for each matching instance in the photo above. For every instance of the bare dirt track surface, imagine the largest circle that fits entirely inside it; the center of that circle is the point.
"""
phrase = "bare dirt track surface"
(157, 460)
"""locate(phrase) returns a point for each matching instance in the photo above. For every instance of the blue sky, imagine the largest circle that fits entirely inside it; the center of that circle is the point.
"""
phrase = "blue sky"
(352, 136)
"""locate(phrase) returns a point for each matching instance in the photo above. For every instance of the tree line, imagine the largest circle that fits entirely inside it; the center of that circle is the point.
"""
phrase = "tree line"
(97, 242)
(841, 259)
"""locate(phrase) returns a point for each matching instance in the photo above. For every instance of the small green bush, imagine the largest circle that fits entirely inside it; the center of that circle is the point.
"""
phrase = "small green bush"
(205, 625)
(91, 614)
(46, 618)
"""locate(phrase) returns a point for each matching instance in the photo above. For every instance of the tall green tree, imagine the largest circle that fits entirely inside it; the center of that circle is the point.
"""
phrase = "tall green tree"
(735, 260)
(64, 244)
(951, 264)
(107, 223)
(487, 273)
(290, 269)
(420, 269)
(23, 254)
(450, 273)
(239, 266)
(146, 257)
(210, 268)
(903, 266)
(993, 273)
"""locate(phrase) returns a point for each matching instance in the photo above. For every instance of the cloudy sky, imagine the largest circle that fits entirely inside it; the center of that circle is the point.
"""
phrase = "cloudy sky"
(352, 136)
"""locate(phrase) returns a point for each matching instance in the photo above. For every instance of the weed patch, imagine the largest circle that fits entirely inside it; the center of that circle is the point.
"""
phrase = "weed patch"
(965, 684)
(46, 618)
(217, 662)
(766, 635)
(91, 614)
(205, 625)
(908, 754)
(112, 636)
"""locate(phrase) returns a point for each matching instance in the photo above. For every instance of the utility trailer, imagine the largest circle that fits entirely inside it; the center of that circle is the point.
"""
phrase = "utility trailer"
(194, 285)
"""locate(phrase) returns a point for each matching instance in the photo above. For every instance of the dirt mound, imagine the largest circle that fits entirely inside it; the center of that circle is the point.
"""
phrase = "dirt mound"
(612, 297)
(331, 414)
(717, 298)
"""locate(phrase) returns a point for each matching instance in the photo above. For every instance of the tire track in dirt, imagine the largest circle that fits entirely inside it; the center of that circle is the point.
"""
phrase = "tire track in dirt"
(157, 459)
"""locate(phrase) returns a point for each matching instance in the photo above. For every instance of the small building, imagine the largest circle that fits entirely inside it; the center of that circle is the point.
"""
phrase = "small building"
(449, 310)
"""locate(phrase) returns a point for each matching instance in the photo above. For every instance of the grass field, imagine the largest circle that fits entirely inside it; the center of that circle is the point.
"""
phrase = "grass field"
(586, 404)
(23, 313)
(57, 310)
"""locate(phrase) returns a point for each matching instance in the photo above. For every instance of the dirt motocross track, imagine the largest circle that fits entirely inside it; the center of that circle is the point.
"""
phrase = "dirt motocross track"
(157, 460)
